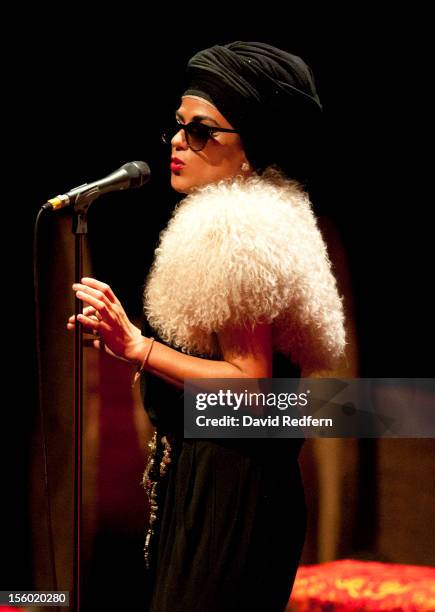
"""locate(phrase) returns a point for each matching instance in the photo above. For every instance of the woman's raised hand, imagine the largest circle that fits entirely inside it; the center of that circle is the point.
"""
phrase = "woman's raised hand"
(106, 318)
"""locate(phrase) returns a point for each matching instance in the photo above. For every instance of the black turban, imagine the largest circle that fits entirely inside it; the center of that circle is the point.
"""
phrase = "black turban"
(265, 93)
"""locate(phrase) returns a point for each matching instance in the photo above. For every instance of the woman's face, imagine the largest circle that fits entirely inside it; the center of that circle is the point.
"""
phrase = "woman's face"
(221, 157)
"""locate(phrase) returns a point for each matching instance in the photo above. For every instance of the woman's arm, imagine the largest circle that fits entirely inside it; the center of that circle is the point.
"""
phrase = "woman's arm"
(247, 353)
(251, 359)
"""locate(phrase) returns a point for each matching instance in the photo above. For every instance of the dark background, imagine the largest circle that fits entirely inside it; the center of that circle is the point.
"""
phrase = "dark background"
(90, 93)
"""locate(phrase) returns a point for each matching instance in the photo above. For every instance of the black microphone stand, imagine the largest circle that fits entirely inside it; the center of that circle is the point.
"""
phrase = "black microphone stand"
(133, 174)
(80, 228)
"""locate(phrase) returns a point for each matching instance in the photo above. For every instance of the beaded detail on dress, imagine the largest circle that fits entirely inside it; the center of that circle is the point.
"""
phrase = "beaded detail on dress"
(159, 450)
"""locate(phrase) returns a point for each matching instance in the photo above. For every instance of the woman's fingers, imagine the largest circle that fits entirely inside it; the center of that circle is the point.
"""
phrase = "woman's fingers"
(91, 293)
(97, 295)
(99, 305)
(104, 316)
(90, 326)
(98, 286)
(91, 323)
(88, 311)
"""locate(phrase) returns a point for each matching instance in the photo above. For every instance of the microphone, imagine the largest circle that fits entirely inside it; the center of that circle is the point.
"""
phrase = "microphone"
(131, 175)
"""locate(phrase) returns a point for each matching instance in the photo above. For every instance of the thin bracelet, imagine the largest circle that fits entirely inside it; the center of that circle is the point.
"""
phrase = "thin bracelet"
(144, 362)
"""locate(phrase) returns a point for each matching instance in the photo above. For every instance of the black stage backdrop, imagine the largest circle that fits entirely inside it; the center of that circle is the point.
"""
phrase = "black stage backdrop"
(92, 93)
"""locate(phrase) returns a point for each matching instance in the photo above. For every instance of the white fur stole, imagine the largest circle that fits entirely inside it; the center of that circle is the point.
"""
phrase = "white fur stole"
(240, 252)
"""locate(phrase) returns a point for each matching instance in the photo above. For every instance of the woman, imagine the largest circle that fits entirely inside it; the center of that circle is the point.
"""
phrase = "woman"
(241, 287)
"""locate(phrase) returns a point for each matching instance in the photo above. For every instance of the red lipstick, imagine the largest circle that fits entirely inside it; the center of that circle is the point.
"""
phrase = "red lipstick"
(176, 164)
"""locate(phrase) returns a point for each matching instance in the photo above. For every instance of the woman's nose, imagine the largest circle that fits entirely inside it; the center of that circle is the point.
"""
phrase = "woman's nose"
(179, 139)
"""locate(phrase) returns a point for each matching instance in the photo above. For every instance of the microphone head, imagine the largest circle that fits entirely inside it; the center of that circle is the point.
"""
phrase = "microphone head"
(138, 171)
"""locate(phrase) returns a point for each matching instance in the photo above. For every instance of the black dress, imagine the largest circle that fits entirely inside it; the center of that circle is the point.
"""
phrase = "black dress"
(231, 516)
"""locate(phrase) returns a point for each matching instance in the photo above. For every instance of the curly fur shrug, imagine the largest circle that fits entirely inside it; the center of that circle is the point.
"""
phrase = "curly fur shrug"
(243, 251)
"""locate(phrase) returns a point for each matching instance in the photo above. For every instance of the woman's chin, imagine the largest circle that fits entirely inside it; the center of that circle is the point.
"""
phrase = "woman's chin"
(180, 184)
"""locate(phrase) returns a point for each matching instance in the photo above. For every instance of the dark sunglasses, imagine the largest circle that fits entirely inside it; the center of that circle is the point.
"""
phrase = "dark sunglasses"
(196, 134)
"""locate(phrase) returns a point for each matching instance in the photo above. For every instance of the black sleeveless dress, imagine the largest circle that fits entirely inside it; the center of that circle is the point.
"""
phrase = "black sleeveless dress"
(230, 514)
